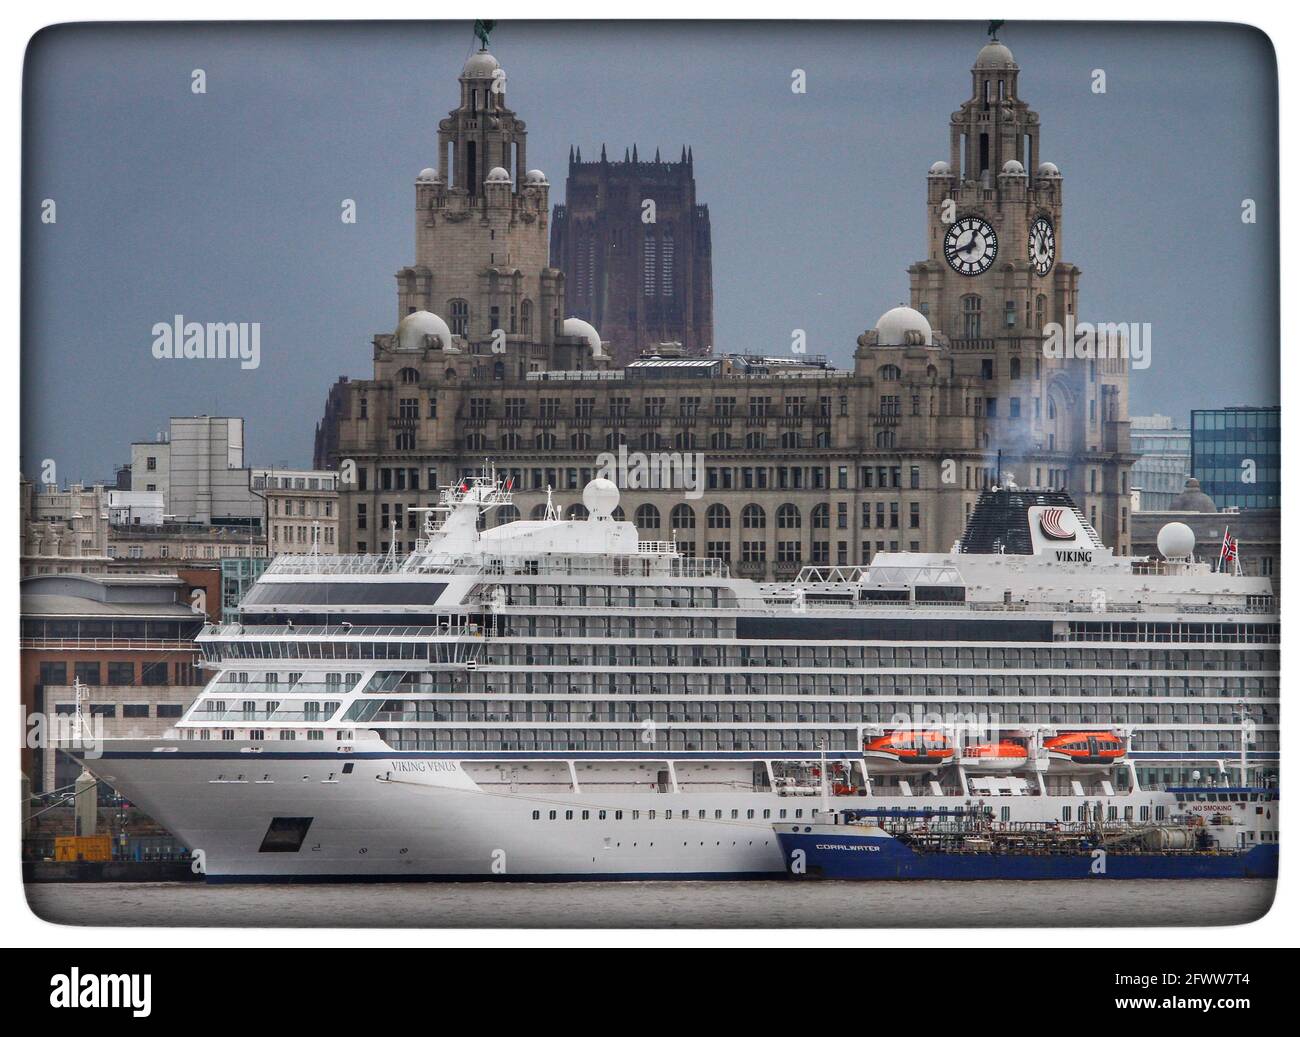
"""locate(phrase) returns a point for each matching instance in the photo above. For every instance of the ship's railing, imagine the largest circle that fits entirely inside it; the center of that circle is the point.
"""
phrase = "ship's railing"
(107, 644)
(338, 630)
(310, 565)
(661, 563)
(831, 573)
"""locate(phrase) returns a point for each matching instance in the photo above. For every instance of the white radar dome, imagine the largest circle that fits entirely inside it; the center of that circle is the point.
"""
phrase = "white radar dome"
(600, 498)
(1176, 540)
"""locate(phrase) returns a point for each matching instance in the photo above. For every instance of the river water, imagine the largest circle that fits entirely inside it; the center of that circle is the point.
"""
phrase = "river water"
(775, 904)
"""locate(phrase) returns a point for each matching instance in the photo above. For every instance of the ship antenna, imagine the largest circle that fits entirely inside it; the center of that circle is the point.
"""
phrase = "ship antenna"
(392, 546)
(826, 790)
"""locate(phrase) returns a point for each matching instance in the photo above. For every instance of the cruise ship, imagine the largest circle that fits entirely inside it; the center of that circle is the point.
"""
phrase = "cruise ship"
(560, 700)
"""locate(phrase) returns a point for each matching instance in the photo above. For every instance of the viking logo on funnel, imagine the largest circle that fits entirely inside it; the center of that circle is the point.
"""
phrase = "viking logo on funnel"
(1049, 524)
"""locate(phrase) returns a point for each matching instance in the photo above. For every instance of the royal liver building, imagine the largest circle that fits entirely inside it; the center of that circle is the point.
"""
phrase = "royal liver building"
(765, 463)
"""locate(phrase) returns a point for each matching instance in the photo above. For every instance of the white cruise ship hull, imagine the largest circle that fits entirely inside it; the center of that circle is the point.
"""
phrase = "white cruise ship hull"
(408, 817)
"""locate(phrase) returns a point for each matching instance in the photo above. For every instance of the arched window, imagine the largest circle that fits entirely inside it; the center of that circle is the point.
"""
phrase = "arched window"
(683, 517)
(580, 441)
(538, 513)
(476, 441)
(788, 517)
(614, 440)
(1040, 312)
(576, 512)
(753, 517)
(499, 371)
(889, 373)
(544, 441)
(971, 308)
(821, 516)
(617, 514)
(510, 441)
(651, 441)
(507, 513)
(408, 376)
(885, 439)
(526, 318)
(718, 516)
(647, 516)
(458, 310)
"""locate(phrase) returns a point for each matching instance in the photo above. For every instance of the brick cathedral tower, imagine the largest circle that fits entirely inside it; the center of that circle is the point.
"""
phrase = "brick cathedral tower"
(641, 273)
(993, 284)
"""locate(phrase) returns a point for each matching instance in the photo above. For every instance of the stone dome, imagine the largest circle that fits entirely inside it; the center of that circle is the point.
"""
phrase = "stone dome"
(535, 176)
(498, 176)
(903, 326)
(995, 55)
(427, 173)
(1193, 498)
(1012, 168)
(481, 65)
(1048, 169)
(414, 329)
(941, 168)
(579, 327)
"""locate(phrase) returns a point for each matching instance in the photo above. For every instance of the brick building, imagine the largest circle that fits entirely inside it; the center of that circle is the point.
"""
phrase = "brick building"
(129, 640)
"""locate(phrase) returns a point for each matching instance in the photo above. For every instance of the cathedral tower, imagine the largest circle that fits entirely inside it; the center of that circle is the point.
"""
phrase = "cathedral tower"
(637, 252)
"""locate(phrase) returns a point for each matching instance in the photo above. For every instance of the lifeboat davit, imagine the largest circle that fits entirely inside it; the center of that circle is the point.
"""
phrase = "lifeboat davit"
(910, 750)
(1086, 750)
(995, 756)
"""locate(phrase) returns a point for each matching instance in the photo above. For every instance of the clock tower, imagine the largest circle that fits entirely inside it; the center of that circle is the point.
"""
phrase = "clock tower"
(995, 284)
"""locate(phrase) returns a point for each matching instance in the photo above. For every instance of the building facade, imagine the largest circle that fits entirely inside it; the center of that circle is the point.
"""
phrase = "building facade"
(302, 510)
(1164, 460)
(637, 252)
(1237, 455)
(799, 463)
(198, 467)
(63, 530)
(127, 640)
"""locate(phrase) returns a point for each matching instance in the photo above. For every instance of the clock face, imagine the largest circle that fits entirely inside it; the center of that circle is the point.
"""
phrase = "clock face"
(1042, 245)
(970, 246)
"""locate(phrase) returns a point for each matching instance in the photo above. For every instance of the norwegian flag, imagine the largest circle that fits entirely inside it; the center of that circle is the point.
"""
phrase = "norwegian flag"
(510, 483)
(464, 486)
(1228, 552)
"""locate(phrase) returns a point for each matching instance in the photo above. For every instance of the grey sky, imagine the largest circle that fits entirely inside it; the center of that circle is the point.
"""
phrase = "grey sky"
(225, 206)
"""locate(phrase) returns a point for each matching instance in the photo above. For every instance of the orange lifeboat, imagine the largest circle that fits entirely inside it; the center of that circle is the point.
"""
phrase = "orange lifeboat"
(995, 756)
(910, 750)
(1086, 749)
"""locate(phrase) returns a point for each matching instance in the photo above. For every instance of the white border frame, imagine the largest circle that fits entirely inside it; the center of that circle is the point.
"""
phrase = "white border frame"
(20, 928)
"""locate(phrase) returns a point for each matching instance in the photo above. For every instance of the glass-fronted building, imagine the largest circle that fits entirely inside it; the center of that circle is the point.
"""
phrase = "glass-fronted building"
(1164, 460)
(1237, 455)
